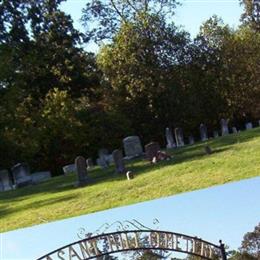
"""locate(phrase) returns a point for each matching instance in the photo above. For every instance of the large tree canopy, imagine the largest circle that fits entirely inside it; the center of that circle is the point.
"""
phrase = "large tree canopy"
(107, 16)
(40, 47)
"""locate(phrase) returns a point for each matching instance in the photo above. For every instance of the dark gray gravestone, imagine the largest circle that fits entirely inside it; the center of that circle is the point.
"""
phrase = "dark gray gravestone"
(81, 170)
(5, 181)
(21, 175)
(234, 130)
(191, 140)
(203, 133)
(119, 161)
(151, 150)
(259, 122)
(169, 138)
(215, 134)
(39, 177)
(249, 125)
(132, 147)
(179, 137)
(224, 126)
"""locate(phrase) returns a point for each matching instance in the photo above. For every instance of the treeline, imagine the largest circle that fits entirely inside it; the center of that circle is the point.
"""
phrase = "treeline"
(58, 100)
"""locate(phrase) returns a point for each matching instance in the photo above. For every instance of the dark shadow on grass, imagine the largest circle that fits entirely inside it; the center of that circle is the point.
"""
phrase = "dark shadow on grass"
(5, 210)
(178, 159)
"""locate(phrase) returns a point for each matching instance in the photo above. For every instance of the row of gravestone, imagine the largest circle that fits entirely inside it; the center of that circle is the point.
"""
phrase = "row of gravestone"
(171, 143)
(20, 176)
(82, 172)
(133, 148)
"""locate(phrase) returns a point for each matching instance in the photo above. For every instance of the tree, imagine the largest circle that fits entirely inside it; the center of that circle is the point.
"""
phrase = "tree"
(250, 246)
(251, 242)
(139, 65)
(40, 48)
(251, 15)
(149, 255)
(109, 15)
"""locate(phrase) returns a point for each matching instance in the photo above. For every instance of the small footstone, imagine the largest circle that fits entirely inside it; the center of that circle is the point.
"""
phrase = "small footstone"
(208, 150)
(129, 175)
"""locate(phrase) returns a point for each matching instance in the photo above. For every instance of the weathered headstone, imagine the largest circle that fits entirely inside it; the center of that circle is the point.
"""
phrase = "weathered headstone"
(259, 122)
(110, 159)
(39, 177)
(215, 134)
(224, 126)
(21, 175)
(151, 151)
(191, 140)
(129, 175)
(119, 161)
(179, 137)
(203, 132)
(234, 130)
(169, 138)
(81, 170)
(249, 125)
(103, 161)
(5, 181)
(70, 168)
(89, 163)
(132, 147)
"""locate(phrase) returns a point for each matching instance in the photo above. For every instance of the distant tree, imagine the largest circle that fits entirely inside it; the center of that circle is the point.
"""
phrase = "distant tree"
(149, 255)
(251, 243)
(251, 14)
(250, 246)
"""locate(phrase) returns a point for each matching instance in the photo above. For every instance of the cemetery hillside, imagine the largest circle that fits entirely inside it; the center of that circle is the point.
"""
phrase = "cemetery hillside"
(152, 112)
(234, 157)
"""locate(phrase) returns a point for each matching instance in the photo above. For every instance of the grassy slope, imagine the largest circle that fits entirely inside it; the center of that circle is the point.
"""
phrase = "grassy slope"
(235, 157)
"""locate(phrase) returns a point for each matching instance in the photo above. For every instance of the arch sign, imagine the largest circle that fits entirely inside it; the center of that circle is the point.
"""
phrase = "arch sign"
(137, 240)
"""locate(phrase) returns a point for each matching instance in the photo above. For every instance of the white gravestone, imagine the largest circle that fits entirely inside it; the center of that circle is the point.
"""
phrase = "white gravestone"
(169, 138)
(203, 133)
(179, 137)
(21, 174)
(249, 125)
(132, 146)
(5, 181)
(224, 127)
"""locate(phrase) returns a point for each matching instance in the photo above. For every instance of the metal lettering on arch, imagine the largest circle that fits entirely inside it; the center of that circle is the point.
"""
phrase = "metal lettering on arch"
(137, 240)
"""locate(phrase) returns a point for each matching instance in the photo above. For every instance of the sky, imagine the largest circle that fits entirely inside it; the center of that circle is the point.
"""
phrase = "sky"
(190, 15)
(224, 212)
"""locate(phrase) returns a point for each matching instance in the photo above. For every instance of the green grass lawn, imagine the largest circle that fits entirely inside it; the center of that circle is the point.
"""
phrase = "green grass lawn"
(235, 157)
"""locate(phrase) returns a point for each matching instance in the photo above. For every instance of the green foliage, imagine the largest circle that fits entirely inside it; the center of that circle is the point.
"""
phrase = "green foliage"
(138, 65)
(251, 243)
(251, 14)
(59, 101)
(110, 15)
